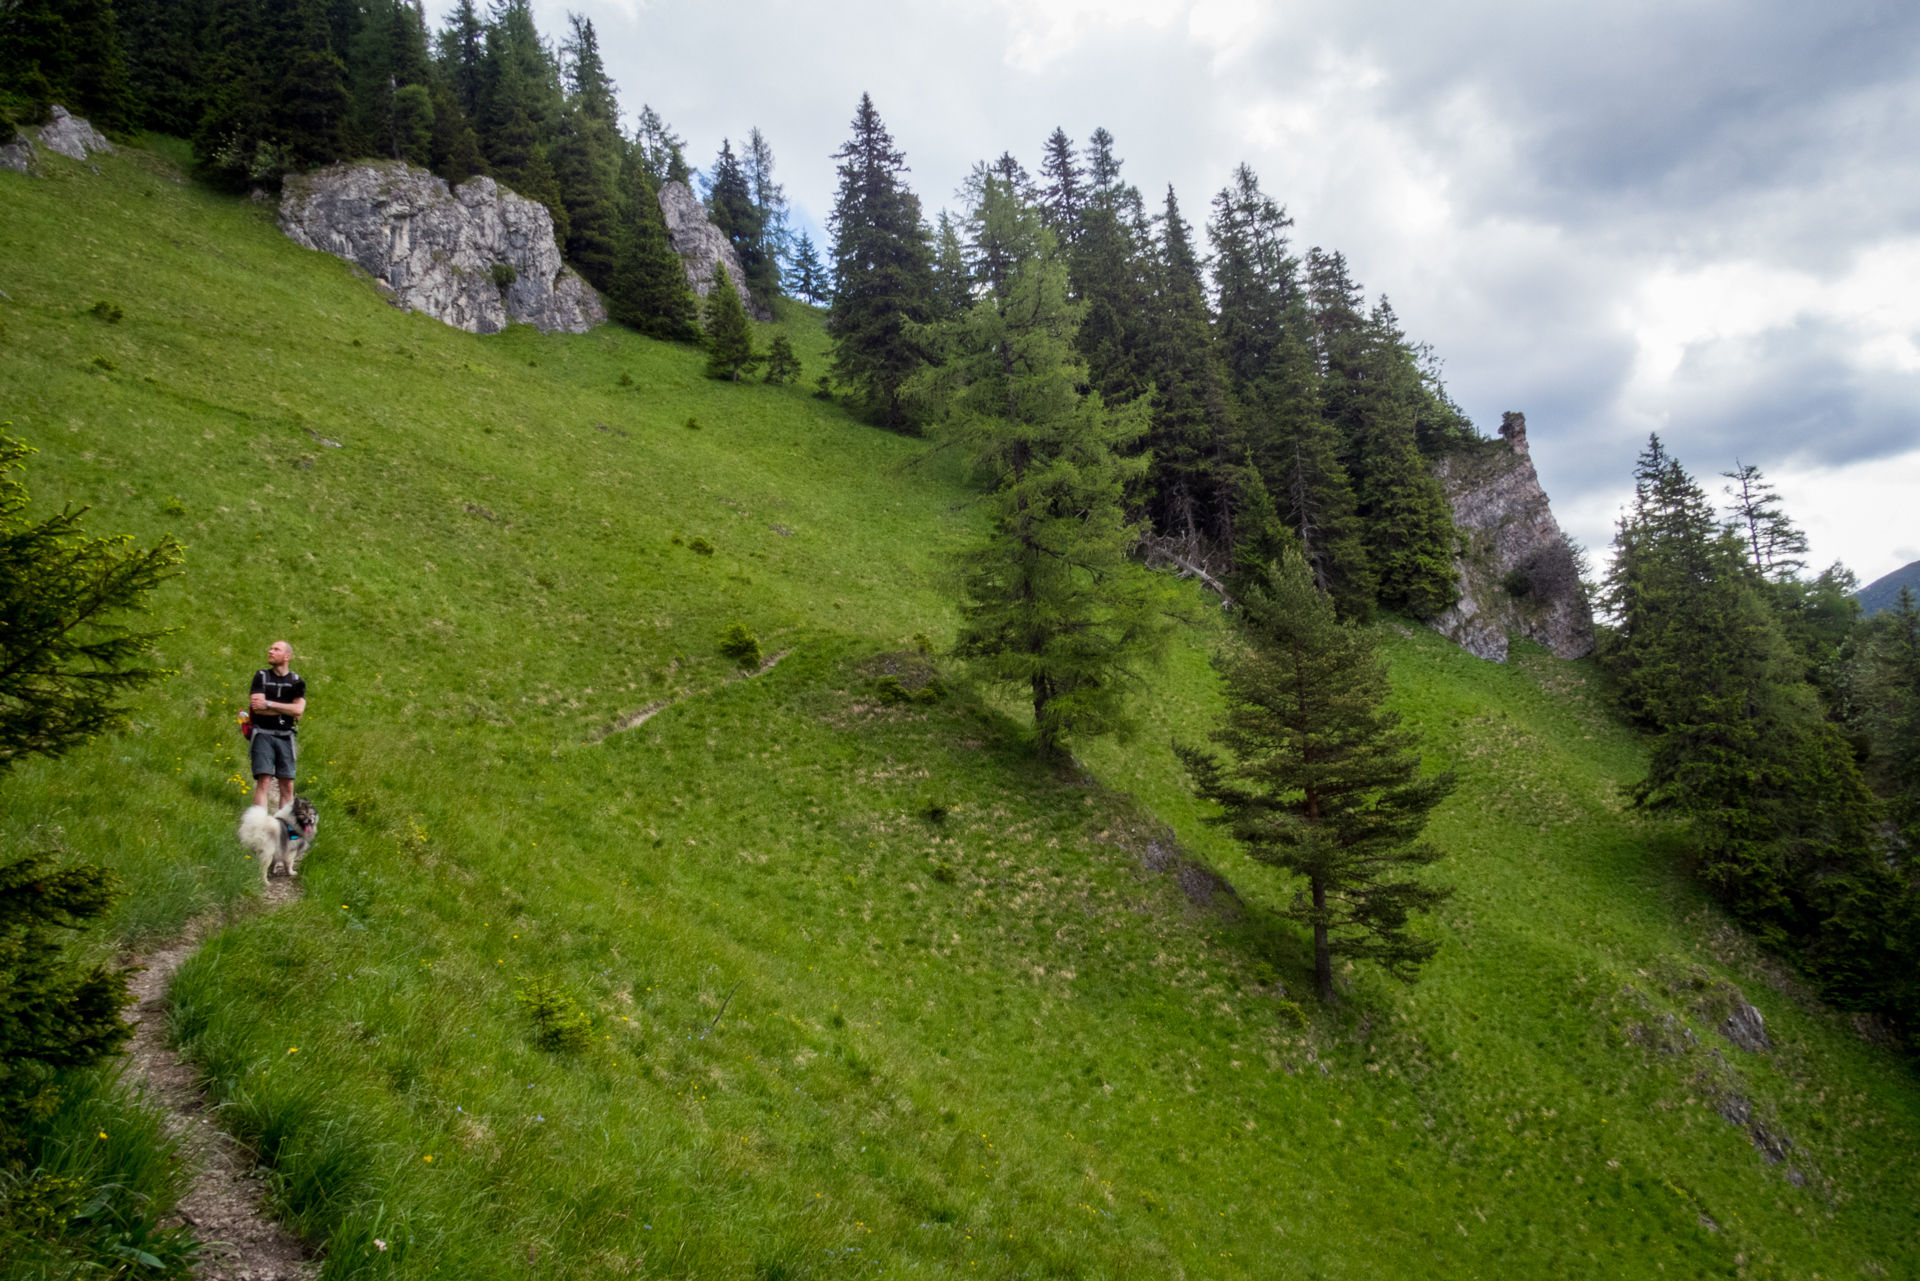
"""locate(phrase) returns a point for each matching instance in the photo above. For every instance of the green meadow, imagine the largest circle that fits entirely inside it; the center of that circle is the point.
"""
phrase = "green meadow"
(815, 972)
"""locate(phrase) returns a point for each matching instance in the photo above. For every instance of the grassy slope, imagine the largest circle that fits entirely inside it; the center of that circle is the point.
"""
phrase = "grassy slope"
(1051, 1064)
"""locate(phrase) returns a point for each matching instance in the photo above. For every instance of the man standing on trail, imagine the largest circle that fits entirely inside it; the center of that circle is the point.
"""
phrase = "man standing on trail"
(278, 700)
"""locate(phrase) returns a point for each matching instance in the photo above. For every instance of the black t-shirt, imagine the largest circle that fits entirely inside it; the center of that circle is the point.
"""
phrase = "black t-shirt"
(278, 689)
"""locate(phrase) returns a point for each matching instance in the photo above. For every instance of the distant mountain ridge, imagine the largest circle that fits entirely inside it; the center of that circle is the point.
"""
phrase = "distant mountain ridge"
(1883, 593)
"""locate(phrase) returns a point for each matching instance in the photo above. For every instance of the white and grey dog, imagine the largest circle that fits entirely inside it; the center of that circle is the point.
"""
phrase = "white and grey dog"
(280, 839)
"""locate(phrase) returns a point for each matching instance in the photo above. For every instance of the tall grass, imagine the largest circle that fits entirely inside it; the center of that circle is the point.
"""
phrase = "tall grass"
(867, 991)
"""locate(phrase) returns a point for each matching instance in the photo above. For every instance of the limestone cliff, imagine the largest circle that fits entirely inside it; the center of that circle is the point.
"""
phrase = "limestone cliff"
(478, 257)
(67, 134)
(700, 245)
(1518, 574)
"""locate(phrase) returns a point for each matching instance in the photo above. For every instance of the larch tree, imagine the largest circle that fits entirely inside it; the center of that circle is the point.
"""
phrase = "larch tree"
(1318, 778)
(1052, 603)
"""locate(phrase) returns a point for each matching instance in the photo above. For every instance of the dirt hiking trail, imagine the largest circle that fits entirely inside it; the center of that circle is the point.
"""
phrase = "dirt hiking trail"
(225, 1203)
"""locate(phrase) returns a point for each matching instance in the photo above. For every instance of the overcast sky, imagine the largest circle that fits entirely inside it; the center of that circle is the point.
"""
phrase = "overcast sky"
(1700, 219)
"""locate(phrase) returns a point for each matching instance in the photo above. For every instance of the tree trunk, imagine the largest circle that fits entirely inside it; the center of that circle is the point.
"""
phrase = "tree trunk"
(1322, 954)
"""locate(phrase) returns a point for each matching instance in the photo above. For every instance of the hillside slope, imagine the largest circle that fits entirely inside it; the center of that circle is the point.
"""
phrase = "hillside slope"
(1883, 593)
(865, 992)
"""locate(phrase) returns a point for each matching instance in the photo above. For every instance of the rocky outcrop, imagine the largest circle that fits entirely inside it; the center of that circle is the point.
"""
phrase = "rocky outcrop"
(67, 134)
(1519, 574)
(700, 245)
(478, 257)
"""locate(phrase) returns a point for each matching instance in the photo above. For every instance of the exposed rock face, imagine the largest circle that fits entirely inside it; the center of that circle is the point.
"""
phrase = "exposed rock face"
(1518, 574)
(700, 245)
(67, 134)
(477, 258)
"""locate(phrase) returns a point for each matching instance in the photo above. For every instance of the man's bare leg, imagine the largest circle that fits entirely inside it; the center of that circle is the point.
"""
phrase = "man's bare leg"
(263, 791)
(286, 794)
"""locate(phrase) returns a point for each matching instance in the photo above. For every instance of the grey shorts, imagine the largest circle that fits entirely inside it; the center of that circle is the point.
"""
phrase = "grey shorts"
(274, 754)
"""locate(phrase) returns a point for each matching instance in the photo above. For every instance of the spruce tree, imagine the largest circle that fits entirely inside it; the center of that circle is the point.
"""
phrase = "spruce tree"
(162, 39)
(1109, 270)
(1195, 482)
(807, 278)
(883, 277)
(952, 273)
(783, 365)
(1062, 193)
(67, 52)
(463, 58)
(730, 350)
(233, 142)
(1052, 603)
(1319, 779)
(649, 291)
(1255, 276)
(511, 135)
(587, 158)
(1740, 744)
(310, 102)
(68, 659)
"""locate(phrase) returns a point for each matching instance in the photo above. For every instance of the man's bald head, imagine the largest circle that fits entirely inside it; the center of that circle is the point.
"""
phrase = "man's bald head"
(280, 653)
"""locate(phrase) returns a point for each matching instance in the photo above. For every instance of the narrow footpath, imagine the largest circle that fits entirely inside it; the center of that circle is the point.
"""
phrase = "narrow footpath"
(225, 1204)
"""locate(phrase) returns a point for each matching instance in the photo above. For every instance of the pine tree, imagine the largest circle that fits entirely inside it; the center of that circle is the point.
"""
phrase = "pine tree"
(1299, 458)
(233, 142)
(310, 102)
(1052, 603)
(883, 277)
(454, 150)
(783, 365)
(649, 291)
(730, 350)
(1320, 780)
(807, 278)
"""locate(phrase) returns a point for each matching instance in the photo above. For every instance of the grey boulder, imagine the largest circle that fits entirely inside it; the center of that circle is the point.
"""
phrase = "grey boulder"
(477, 257)
(700, 245)
(67, 134)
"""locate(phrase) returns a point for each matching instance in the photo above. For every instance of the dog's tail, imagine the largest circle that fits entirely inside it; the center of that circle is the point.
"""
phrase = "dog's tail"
(260, 832)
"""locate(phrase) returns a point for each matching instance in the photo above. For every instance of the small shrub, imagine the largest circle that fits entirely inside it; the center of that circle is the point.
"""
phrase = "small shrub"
(504, 274)
(103, 363)
(741, 645)
(693, 424)
(626, 380)
(783, 366)
(559, 1024)
(923, 643)
(173, 507)
(1292, 1016)
(892, 691)
(358, 343)
(824, 390)
(702, 546)
(934, 809)
(945, 874)
(109, 311)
